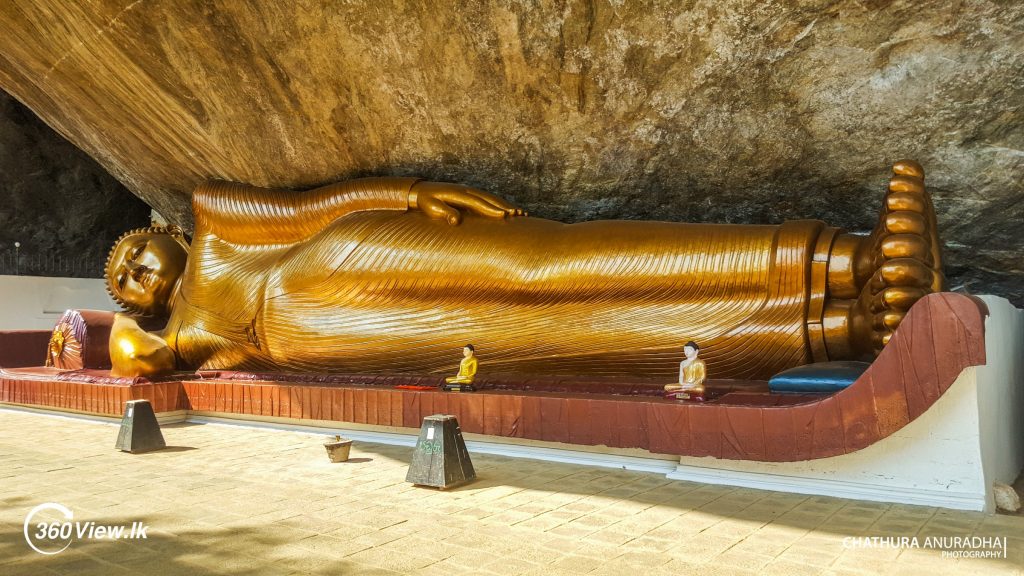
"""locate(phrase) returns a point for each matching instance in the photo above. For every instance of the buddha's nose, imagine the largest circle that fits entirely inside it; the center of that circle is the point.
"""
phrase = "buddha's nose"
(136, 270)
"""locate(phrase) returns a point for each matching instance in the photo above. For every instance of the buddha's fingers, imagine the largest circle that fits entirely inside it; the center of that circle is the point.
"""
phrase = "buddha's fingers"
(468, 201)
(497, 202)
(436, 208)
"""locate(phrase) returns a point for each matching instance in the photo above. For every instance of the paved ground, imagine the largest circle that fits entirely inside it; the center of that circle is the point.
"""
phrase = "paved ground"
(233, 500)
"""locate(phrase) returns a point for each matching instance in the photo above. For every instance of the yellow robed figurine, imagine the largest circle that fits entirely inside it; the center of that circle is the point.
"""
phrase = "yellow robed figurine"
(692, 372)
(467, 368)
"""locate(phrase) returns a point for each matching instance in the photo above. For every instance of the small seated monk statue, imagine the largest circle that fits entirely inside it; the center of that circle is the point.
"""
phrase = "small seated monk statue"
(692, 373)
(467, 371)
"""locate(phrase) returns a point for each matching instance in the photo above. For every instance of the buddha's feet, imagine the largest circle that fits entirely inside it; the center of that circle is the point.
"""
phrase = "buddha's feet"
(895, 266)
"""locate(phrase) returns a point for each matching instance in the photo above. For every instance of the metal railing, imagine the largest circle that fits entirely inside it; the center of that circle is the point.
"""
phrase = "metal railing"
(23, 263)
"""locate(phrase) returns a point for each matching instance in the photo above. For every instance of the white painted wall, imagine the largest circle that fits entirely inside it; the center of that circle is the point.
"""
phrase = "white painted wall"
(1001, 394)
(37, 302)
(973, 435)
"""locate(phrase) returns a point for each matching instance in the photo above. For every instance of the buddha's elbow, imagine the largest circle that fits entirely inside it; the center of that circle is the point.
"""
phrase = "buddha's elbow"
(152, 363)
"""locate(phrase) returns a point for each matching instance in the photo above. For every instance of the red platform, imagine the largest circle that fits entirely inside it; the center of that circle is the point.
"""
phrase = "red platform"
(941, 336)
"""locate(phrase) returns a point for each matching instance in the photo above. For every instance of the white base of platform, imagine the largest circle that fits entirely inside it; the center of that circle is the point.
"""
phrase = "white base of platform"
(513, 450)
(827, 487)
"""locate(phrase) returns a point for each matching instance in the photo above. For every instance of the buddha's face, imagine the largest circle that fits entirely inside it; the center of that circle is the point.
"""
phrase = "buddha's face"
(467, 352)
(144, 269)
(690, 352)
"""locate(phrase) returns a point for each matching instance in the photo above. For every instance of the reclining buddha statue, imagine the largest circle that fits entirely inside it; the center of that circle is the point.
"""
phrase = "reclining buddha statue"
(395, 275)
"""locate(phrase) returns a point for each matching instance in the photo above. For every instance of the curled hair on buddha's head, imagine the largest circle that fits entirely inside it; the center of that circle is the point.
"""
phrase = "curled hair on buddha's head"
(470, 346)
(692, 344)
(172, 230)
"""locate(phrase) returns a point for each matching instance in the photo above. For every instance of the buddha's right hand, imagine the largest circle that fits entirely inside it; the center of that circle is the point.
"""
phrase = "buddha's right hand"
(135, 352)
(446, 201)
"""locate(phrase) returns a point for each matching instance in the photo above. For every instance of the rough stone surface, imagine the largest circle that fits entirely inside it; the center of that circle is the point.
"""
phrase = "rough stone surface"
(741, 111)
(62, 207)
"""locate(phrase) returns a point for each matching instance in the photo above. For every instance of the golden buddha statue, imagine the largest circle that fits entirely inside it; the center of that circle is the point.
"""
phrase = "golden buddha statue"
(692, 372)
(388, 274)
(467, 368)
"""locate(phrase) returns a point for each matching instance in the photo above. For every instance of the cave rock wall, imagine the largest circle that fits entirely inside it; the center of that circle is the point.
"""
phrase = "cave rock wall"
(749, 111)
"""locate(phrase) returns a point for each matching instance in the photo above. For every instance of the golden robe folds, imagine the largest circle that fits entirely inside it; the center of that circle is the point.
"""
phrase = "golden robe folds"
(365, 276)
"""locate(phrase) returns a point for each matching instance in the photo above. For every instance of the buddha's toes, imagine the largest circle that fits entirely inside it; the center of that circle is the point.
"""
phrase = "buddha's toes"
(905, 254)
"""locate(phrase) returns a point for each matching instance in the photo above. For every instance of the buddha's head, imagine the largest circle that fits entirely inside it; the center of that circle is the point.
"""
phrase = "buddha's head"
(144, 268)
(691, 349)
(468, 350)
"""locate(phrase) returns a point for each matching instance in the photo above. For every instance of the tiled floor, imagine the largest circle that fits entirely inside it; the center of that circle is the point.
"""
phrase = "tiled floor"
(234, 500)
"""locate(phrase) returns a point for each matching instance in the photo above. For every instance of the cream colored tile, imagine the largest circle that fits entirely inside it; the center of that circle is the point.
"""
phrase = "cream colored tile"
(257, 501)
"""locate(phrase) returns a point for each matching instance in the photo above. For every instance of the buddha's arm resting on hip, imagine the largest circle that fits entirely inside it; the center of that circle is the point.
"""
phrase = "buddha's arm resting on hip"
(242, 214)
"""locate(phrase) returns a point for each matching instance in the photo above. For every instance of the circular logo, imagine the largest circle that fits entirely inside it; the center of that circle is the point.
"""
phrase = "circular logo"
(51, 531)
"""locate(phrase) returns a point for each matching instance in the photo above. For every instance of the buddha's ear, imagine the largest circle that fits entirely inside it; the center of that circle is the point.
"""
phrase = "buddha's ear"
(178, 233)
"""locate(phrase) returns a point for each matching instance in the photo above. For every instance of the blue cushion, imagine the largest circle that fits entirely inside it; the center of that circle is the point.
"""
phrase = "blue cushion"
(819, 377)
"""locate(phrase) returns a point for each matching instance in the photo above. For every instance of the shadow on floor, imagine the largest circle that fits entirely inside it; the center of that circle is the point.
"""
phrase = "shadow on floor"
(228, 550)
